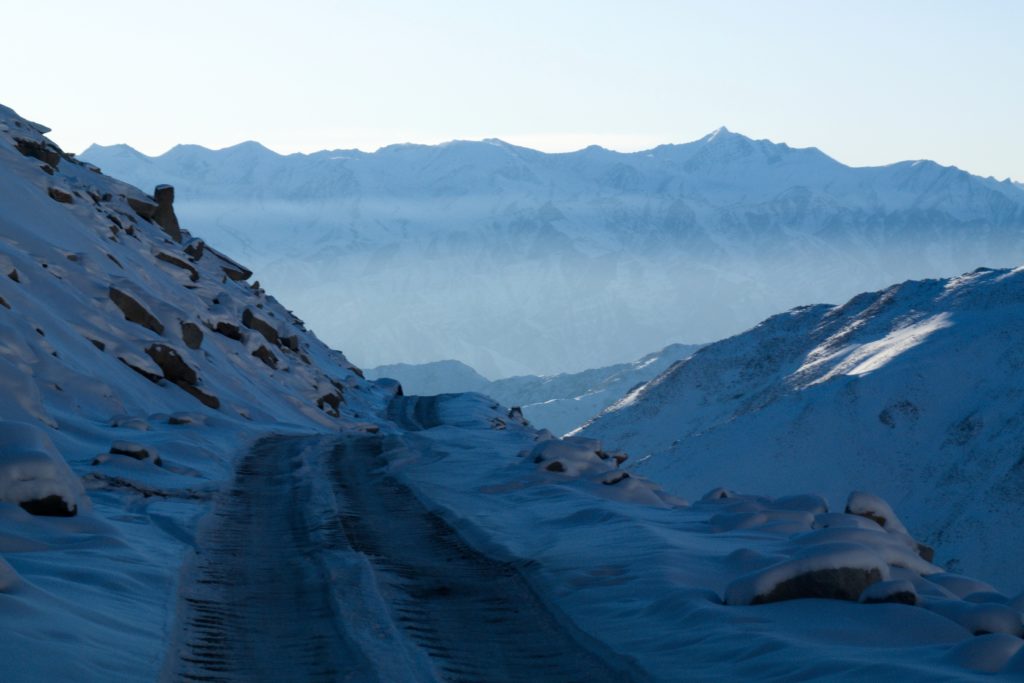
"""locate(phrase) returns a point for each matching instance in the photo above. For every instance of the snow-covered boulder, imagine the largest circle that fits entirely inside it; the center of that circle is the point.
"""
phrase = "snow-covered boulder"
(839, 571)
(897, 590)
(34, 475)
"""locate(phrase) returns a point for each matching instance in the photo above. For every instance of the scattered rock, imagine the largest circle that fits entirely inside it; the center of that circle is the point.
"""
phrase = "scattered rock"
(228, 330)
(3, 302)
(38, 150)
(333, 400)
(145, 209)
(136, 451)
(98, 344)
(50, 506)
(516, 413)
(175, 369)
(14, 275)
(152, 377)
(291, 343)
(134, 311)
(615, 478)
(207, 400)
(266, 355)
(60, 195)
(195, 248)
(164, 214)
(555, 466)
(268, 331)
(193, 274)
(191, 335)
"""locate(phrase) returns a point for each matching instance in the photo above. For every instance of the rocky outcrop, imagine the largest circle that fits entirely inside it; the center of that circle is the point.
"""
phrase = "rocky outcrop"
(164, 214)
(48, 154)
(134, 311)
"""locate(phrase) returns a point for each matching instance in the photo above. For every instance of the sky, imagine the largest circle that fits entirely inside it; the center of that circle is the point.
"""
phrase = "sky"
(868, 82)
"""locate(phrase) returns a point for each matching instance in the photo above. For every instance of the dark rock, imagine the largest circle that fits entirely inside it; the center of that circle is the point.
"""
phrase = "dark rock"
(268, 331)
(195, 249)
(3, 302)
(360, 375)
(134, 311)
(228, 330)
(172, 364)
(615, 478)
(332, 400)
(144, 208)
(116, 262)
(142, 371)
(833, 584)
(555, 466)
(206, 399)
(98, 344)
(900, 598)
(50, 506)
(267, 356)
(291, 343)
(926, 552)
(39, 150)
(232, 269)
(136, 451)
(191, 335)
(14, 275)
(164, 214)
(60, 195)
(193, 274)
(516, 413)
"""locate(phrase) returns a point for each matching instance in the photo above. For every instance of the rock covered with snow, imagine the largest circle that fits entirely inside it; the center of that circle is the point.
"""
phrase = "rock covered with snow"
(34, 475)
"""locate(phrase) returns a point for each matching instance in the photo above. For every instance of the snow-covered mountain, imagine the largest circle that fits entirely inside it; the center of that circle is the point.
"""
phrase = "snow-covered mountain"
(913, 392)
(193, 487)
(520, 262)
(558, 403)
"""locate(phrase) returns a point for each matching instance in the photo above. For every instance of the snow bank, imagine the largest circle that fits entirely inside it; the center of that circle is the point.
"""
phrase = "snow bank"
(32, 472)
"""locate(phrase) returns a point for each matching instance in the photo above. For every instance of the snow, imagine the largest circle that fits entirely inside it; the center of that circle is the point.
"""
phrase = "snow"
(655, 589)
(518, 262)
(31, 468)
(636, 569)
(788, 405)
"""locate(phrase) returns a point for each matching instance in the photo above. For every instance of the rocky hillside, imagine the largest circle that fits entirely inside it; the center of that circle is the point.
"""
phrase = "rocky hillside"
(913, 392)
(115, 320)
(520, 262)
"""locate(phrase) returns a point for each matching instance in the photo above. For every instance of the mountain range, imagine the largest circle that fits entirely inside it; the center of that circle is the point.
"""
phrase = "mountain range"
(521, 262)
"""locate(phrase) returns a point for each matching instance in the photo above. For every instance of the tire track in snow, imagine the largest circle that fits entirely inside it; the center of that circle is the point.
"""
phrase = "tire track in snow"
(259, 606)
(476, 617)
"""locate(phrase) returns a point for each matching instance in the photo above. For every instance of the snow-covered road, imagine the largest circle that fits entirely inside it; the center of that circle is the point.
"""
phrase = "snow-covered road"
(264, 599)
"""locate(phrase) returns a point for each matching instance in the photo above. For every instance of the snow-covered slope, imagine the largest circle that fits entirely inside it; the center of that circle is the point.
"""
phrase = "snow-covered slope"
(558, 403)
(520, 262)
(913, 392)
(135, 363)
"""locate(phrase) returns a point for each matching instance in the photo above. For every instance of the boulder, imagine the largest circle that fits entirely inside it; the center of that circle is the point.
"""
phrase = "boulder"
(898, 591)
(207, 400)
(145, 209)
(267, 356)
(134, 311)
(175, 369)
(191, 335)
(332, 400)
(228, 330)
(60, 195)
(268, 331)
(195, 248)
(136, 451)
(193, 274)
(164, 214)
(49, 506)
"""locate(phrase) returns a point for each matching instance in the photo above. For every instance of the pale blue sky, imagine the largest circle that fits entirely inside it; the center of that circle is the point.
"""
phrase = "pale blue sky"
(867, 82)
